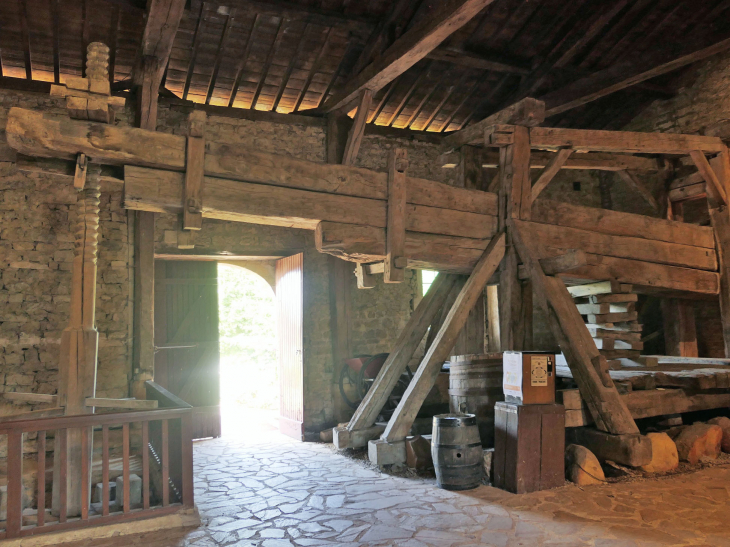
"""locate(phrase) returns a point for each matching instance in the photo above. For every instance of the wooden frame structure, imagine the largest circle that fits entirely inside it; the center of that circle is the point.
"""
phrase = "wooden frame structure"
(390, 221)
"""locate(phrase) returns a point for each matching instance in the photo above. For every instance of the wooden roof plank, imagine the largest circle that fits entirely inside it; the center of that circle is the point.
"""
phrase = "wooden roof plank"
(194, 51)
(225, 36)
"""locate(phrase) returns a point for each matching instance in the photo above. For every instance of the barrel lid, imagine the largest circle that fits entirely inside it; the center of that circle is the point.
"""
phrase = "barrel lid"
(454, 420)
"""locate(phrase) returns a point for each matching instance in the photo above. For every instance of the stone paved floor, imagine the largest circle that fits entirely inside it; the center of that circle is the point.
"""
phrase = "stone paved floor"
(285, 494)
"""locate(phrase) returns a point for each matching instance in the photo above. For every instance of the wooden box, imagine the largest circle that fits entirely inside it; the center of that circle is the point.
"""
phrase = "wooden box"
(529, 447)
(538, 378)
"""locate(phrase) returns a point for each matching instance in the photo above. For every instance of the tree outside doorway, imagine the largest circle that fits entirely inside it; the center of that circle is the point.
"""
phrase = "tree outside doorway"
(249, 368)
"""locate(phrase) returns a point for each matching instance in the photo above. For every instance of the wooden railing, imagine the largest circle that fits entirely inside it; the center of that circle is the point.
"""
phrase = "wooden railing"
(167, 431)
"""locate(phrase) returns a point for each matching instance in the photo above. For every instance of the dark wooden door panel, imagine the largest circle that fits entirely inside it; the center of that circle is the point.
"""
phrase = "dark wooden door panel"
(187, 357)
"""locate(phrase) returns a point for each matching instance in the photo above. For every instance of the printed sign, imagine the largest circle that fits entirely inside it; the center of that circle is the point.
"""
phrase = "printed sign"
(512, 375)
(539, 370)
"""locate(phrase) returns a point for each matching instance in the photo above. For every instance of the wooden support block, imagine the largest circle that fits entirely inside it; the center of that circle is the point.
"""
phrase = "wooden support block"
(613, 298)
(611, 317)
(425, 377)
(33, 398)
(343, 438)
(569, 398)
(600, 287)
(77, 107)
(186, 239)
(395, 231)
(80, 173)
(382, 452)
(632, 450)
(574, 258)
(194, 173)
(620, 353)
(365, 279)
(604, 308)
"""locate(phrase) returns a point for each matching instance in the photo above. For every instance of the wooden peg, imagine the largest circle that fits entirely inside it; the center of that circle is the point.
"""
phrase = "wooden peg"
(81, 168)
(365, 280)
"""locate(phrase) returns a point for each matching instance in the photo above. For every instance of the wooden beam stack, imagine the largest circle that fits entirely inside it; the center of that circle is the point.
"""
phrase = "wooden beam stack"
(609, 310)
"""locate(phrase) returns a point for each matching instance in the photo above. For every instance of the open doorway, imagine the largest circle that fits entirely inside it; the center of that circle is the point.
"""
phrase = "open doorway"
(249, 372)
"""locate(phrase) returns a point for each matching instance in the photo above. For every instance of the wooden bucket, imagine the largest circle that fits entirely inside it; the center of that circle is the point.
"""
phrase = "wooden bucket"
(475, 385)
(456, 451)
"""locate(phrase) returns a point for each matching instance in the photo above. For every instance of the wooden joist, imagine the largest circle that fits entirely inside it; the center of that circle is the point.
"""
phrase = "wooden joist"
(32, 398)
(410, 48)
(597, 161)
(131, 404)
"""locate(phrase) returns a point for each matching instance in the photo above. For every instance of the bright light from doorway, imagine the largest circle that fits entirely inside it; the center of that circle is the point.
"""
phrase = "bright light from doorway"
(249, 369)
(427, 279)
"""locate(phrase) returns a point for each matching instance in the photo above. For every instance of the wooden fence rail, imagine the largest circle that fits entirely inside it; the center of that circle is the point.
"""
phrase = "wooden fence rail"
(167, 430)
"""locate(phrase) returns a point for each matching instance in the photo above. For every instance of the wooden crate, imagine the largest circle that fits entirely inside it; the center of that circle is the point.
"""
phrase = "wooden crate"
(529, 447)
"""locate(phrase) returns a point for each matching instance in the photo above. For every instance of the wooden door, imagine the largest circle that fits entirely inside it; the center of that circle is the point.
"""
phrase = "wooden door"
(289, 320)
(187, 356)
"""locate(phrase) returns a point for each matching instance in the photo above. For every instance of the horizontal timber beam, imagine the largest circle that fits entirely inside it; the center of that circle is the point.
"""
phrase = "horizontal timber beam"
(35, 134)
(161, 191)
(407, 50)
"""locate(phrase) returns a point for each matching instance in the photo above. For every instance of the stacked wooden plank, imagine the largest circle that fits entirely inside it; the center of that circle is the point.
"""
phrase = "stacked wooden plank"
(609, 310)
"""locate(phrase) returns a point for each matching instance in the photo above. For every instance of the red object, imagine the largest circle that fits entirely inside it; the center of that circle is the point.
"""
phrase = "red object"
(374, 364)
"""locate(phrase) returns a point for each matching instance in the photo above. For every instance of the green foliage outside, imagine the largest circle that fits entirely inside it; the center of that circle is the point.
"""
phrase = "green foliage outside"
(249, 369)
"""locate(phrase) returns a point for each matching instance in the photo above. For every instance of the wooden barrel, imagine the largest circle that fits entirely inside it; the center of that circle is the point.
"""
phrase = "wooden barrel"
(475, 385)
(456, 451)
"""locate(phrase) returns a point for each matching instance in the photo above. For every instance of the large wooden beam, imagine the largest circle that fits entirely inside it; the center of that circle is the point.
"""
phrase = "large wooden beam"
(626, 142)
(162, 21)
(528, 112)
(36, 134)
(589, 367)
(410, 48)
(403, 350)
(720, 218)
(645, 250)
(161, 191)
(619, 77)
(617, 223)
(402, 419)
(354, 138)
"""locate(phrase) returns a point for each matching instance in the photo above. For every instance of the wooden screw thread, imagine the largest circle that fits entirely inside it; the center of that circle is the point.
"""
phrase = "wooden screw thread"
(86, 244)
(97, 61)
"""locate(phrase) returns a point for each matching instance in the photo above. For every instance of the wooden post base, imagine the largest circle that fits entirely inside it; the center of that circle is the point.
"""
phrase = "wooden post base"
(382, 452)
(344, 438)
(631, 450)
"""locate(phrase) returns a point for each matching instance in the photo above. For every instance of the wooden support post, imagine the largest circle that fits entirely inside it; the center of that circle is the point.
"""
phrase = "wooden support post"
(493, 336)
(720, 218)
(194, 172)
(402, 419)
(514, 185)
(680, 333)
(588, 366)
(357, 130)
(395, 233)
(407, 343)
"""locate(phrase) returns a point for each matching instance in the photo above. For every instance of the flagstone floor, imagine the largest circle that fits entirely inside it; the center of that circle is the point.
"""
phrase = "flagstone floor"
(278, 493)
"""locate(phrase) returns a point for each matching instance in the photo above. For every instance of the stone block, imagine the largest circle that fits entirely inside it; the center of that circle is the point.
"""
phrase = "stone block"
(135, 490)
(699, 442)
(383, 453)
(582, 466)
(418, 453)
(724, 423)
(664, 456)
(99, 488)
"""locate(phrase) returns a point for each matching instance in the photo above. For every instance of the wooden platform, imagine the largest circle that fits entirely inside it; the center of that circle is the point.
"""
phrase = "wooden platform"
(674, 386)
